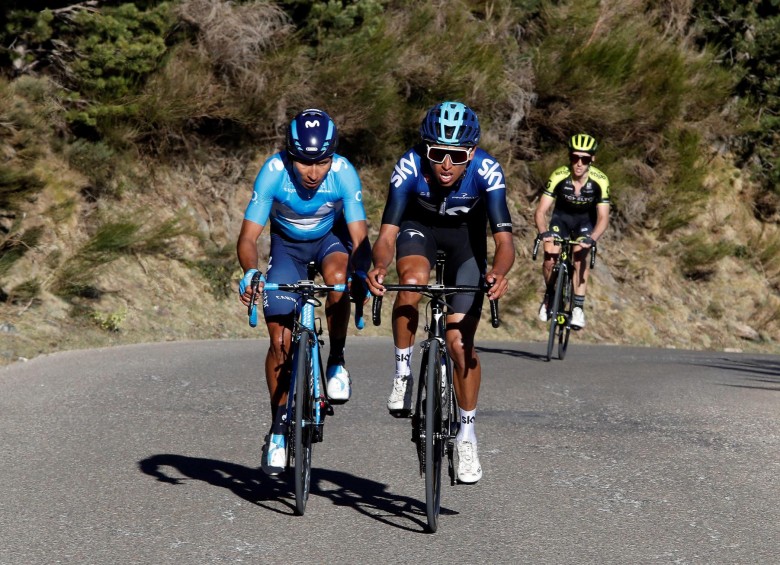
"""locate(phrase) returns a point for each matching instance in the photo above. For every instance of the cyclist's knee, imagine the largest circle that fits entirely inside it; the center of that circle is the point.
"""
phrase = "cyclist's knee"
(335, 276)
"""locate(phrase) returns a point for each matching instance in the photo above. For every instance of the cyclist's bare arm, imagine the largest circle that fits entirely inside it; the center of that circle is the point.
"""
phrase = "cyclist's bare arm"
(361, 249)
(383, 252)
(540, 216)
(602, 221)
(246, 249)
(502, 261)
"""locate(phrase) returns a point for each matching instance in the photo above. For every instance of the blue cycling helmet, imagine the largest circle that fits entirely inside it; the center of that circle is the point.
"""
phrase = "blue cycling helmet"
(451, 123)
(311, 136)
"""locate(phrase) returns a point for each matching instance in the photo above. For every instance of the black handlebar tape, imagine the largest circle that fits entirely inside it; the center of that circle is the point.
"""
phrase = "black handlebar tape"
(376, 310)
(494, 319)
(537, 241)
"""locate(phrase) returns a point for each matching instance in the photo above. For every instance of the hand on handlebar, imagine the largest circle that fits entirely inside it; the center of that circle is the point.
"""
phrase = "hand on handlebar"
(375, 278)
(499, 285)
(245, 287)
(358, 288)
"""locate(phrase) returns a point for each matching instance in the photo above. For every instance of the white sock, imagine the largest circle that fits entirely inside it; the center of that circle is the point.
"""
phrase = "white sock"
(403, 361)
(467, 421)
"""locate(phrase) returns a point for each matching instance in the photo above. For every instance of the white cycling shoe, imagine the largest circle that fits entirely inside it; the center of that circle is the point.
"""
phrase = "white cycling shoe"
(467, 462)
(543, 316)
(339, 384)
(577, 318)
(274, 458)
(399, 404)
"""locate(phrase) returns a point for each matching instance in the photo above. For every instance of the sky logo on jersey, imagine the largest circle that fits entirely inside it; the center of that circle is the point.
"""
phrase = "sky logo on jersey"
(491, 171)
(403, 169)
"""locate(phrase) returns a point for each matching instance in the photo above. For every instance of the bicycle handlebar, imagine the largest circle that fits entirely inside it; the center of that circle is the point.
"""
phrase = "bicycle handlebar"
(430, 290)
(559, 241)
(301, 287)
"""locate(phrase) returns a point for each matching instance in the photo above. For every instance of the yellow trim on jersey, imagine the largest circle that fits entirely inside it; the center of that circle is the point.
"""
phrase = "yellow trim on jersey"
(594, 174)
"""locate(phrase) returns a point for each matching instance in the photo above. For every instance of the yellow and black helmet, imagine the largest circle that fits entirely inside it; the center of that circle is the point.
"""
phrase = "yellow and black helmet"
(583, 142)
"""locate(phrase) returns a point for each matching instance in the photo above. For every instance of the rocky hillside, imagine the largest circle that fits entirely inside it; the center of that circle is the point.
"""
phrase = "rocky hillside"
(131, 133)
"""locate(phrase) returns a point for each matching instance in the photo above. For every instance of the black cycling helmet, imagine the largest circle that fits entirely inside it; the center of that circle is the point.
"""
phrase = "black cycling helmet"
(311, 136)
(451, 123)
(584, 143)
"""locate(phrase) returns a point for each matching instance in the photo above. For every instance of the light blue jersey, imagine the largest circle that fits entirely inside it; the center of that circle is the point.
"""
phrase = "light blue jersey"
(299, 214)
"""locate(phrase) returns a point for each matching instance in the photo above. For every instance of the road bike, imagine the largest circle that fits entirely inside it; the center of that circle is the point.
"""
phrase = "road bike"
(307, 400)
(560, 305)
(435, 417)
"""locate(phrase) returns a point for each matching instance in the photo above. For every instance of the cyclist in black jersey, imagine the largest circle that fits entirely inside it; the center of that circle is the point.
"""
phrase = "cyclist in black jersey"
(442, 194)
(580, 196)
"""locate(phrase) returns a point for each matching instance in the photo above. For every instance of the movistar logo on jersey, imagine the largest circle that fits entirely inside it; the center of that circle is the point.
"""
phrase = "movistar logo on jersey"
(403, 169)
(491, 171)
(338, 164)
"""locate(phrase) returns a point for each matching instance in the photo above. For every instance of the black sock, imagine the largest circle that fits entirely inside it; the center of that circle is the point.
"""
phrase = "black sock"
(336, 355)
(279, 426)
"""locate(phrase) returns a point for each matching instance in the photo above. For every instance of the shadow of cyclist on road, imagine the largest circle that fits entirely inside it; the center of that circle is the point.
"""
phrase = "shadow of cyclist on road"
(368, 497)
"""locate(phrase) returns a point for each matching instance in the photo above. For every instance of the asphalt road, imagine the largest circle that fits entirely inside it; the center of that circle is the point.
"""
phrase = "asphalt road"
(150, 454)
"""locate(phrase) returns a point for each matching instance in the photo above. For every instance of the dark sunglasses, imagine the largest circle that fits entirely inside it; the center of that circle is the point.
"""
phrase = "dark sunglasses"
(457, 155)
(586, 159)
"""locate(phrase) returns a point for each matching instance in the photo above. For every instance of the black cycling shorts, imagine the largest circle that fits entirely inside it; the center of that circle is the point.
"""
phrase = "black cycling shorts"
(465, 264)
(572, 226)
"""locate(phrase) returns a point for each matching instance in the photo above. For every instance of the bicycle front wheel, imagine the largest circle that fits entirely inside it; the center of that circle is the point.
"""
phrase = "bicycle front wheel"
(303, 409)
(434, 444)
(555, 308)
(565, 328)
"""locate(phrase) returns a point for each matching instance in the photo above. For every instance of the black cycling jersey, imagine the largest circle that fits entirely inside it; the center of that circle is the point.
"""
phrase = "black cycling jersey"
(479, 196)
(595, 191)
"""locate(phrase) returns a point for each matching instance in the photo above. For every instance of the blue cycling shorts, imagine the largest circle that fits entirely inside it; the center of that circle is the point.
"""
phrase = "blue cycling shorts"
(288, 263)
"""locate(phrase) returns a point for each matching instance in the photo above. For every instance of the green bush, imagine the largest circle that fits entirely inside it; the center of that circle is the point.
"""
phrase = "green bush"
(747, 34)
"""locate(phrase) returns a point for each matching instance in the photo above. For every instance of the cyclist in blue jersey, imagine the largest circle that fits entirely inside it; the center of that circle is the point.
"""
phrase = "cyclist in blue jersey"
(312, 199)
(579, 198)
(442, 194)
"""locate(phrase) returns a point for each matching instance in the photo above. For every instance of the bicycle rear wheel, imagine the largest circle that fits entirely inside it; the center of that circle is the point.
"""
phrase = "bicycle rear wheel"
(434, 446)
(555, 307)
(303, 409)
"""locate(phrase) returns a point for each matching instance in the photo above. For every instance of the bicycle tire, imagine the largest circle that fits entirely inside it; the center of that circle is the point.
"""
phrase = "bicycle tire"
(553, 313)
(565, 329)
(450, 416)
(303, 420)
(433, 436)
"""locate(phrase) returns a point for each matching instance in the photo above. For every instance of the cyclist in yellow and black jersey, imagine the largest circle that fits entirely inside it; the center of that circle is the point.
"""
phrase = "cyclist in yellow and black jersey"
(579, 197)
